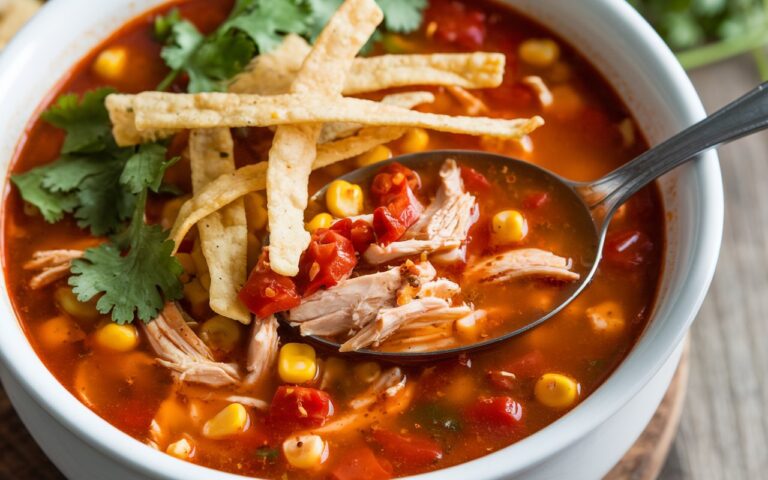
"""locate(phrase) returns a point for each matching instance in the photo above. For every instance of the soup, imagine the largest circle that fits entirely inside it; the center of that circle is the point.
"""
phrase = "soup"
(159, 339)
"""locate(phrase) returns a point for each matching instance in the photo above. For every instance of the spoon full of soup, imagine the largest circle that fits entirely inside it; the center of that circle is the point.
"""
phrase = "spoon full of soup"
(447, 249)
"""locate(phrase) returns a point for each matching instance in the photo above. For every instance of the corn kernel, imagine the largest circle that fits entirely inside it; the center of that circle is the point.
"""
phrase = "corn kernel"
(539, 52)
(201, 265)
(256, 211)
(181, 449)
(606, 317)
(567, 102)
(58, 331)
(120, 338)
(508, 226)
(187, 263)
(305, 451)
(233, 419)
(110, 64)
(205, 280)
(297, 363)
(415, 140)
(171, 210)
(556, 390)
(69, 304)
(197, 296)
(321, 220)
(344, 199)
(375, 155)
(367, 372)
(220, 333)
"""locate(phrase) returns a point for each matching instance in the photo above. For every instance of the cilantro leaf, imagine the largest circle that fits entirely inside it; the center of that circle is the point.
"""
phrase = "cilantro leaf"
(164, 24)
(136, 284)
(52, 205)
(69, 171)
(322, 10)
(145, 168)
(103, 205)
(183, 40)
(86, 121)
(402, 16)
(267, 23)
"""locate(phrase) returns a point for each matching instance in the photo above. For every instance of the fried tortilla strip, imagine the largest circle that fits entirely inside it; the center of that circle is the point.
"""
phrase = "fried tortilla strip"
(251, 178)
(224, 233)
(293, 151)
(272, 73)
(156, 110)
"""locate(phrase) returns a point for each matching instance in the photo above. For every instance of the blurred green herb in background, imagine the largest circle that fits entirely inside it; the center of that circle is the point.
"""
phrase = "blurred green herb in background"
(707, 31)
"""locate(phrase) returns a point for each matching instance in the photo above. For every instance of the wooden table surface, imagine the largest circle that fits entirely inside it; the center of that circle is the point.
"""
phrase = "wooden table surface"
(724, 429)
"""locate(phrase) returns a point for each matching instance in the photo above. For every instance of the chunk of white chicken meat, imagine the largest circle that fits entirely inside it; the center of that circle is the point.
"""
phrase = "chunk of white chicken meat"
(443, 227)
(520, 263)
(262, 350)
(355, 302)
(182, 351)
(51, 265)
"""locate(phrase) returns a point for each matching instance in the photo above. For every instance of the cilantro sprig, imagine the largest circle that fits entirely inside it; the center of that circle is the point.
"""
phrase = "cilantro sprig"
(255, 26)
(104, 186)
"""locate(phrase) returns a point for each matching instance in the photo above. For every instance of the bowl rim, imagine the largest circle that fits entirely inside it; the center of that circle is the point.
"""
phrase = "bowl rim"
(634, 372)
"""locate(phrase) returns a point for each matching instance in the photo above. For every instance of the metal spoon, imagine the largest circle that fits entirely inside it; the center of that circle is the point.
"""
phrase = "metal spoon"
(598, 200)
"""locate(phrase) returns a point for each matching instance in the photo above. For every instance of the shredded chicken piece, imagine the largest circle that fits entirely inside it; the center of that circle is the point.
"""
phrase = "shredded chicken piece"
(355, 302)
(443, 227)
(262, 350)
(53, 265)
(470, 102)
(524, 262)
(540, 89)
(388, 384)
(181, 350)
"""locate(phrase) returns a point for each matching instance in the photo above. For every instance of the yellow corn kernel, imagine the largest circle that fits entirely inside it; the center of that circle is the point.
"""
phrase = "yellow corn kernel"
(508, 226)
(256, 211)
(205, 280)
(374, 155)
(606, 318)
(321, 220)
(415, 140)
(220, 333)
(197, 296)
(556, 390)
(171, 211)
(233, 419)
(366, 372)
(297, 363)
(187, 263)
(344, 199)
(567, 102)
(305, 451)
(58, 331)
(201, 265)
(110, 64)
(539, 52)
(120, 338)
(69, 304)
(181, 449)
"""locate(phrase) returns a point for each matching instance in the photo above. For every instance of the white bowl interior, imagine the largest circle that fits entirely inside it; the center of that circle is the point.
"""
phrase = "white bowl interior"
(608, 32)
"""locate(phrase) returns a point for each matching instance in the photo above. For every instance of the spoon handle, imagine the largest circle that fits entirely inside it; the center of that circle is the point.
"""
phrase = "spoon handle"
(739, 118)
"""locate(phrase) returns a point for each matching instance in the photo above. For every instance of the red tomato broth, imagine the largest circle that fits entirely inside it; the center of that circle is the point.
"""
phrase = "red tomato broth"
(581, 145)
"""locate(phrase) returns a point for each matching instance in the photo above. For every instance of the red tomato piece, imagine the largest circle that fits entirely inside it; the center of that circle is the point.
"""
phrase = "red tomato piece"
(267, 292)
(409, 450)
(474, 181)
(329, 259)
(535, 200)
(387, 227)
(627, 249)
(388, 182)
(496, 412)
(294, 408)
(359, 231)
(360, 464)
(458, 25)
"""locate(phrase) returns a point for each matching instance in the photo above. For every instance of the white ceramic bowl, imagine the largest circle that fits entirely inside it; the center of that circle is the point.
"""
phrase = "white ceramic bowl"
(582, 445)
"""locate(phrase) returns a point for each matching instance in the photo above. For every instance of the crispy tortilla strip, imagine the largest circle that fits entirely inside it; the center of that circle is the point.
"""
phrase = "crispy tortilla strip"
(252, 178)
(121, 114)
(224, 233)
(332, 131)
(293, 151)
(209, 110)
(272, 73)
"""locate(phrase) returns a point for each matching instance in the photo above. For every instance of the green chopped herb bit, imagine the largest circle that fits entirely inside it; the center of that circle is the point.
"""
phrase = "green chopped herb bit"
(267, 454)
(436, 418)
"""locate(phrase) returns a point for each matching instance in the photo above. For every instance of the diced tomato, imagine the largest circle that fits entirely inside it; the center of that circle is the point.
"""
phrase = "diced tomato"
(359, 231)
(387, 228)
(456, 24)
(267, 292)
(535, 200)
(529, 365)
(360, 464)
(295, 408)
(329, 259)
(474, 181)
(387, 183)
(627, 249)
(398, 208)
(408, 450)
(496, 412)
